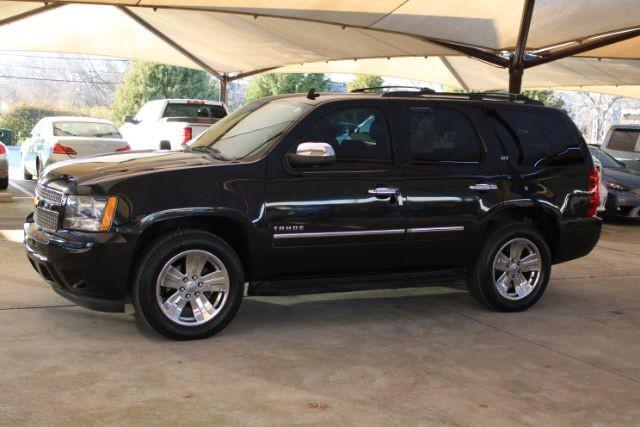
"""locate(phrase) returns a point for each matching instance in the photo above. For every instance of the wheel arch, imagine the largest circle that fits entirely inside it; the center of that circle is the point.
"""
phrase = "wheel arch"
(232, 227)
(545, 219)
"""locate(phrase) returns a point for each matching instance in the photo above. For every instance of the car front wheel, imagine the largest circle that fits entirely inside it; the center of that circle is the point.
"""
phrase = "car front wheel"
(189, 285)
(513, 269)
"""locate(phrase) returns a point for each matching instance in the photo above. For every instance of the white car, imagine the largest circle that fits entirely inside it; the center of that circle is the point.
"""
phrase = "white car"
(170, 123)
(4, 167)
(55, 139)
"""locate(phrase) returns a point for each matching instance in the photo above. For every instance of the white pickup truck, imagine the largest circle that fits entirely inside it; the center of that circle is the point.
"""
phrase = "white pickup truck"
(169, 123)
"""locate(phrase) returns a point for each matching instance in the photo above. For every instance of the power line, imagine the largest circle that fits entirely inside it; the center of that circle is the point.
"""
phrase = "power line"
(35, 67)
(58, 80)
(66, 58)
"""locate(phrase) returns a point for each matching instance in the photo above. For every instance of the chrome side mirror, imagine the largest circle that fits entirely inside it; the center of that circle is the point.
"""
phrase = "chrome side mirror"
(312, 154)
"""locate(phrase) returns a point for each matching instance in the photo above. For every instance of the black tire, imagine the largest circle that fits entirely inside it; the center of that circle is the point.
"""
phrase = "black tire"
(481, 276)
(4, 183)
(38, 169)
(27, 175)
(157, 254)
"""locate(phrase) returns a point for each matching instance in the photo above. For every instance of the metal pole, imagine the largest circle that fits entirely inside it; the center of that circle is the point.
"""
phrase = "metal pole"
(517, 65)
(224, 82)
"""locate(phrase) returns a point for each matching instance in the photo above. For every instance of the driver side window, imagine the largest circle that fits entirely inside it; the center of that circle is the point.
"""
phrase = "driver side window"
(357, 135)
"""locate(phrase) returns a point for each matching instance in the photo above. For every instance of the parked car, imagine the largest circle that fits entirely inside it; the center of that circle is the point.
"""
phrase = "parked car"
(623, 143)
(440, 186)
(623, 186)
(603, 189)
(55, 139)
(4, 167)
(175, 121)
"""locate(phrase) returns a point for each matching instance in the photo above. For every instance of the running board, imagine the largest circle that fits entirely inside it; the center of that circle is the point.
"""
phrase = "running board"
(352, 283)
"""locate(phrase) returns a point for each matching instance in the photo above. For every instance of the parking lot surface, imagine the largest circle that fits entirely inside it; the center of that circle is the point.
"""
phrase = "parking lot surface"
(398, 357)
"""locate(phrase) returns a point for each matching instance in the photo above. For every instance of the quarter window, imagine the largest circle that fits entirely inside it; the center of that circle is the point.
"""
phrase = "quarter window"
(536, 138)
(357, 135)
(442, 135)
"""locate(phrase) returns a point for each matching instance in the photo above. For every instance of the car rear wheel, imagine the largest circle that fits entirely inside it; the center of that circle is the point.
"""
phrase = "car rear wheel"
(4, 183)
(188, 285)
(513, 269)
(27, 176)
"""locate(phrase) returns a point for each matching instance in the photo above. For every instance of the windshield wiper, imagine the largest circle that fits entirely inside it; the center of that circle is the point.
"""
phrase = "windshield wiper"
(214, 152)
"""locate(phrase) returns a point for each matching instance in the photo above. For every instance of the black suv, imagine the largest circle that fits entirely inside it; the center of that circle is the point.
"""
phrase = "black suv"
(322, 192)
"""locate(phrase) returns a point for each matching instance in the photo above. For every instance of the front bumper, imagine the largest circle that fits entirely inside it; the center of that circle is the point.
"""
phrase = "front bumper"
(89, 269)
(575, 238)
(623, 204)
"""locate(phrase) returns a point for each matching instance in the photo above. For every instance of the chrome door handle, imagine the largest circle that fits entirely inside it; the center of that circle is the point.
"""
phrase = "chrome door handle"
(483, 187)
(384, 191)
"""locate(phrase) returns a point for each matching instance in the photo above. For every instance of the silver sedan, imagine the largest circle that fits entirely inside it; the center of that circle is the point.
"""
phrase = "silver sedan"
(55, 139)
(4, 167)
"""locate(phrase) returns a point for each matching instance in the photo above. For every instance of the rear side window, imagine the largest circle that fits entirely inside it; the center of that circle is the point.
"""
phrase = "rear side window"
(624, 140)
(442, 135)
(536, 138)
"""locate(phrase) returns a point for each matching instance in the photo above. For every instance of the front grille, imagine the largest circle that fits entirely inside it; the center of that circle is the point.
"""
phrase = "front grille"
(48, 194)
(46, 219)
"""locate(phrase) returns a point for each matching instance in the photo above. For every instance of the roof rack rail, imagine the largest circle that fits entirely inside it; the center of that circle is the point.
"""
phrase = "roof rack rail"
(414, 91)
(474, 96)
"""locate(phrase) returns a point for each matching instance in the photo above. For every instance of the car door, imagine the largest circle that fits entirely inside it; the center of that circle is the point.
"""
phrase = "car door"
(452, 181)
(347, 217)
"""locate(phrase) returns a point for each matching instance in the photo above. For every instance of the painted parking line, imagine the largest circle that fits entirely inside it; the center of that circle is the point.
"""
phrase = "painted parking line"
(20, 188)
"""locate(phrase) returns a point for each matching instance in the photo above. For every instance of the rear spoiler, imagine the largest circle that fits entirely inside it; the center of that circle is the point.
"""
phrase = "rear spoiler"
(195, 120)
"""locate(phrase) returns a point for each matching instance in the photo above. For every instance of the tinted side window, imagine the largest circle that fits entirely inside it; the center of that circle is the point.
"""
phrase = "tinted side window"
(356, 135)
(541, 138)
(624, 140)
(442, 135)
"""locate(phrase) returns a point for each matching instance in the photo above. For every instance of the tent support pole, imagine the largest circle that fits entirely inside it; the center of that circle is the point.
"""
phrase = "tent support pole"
(454, 73)
(224, 93)
(583, 46)
(29, 13)
(169, 41)
(517, 64)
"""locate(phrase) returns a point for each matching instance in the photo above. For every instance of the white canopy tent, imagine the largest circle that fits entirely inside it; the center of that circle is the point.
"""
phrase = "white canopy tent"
(461, 44)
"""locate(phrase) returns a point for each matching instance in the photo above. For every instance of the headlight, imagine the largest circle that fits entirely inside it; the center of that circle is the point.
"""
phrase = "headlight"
(614, 186)
(89, 213)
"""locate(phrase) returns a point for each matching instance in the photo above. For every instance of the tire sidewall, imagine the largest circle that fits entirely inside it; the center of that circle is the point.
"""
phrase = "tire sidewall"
(494, 244)
(152, 266)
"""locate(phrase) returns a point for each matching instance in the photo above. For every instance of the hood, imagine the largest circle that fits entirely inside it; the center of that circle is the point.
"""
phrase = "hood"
(627, 177)
(91, 170)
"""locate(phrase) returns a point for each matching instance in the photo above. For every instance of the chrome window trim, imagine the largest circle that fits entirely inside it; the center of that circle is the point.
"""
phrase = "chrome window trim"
(367, 232)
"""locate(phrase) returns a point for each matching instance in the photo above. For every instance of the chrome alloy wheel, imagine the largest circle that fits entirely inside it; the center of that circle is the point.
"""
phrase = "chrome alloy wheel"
(192, 287)
(517, 268)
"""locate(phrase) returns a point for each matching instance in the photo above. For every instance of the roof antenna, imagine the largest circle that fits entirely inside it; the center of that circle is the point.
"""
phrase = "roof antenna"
(312, 94)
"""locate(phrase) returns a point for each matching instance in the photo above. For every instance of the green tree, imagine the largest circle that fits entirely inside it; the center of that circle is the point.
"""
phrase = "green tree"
(547, 97)
(147, 81)
(363, 81)
(274, 84)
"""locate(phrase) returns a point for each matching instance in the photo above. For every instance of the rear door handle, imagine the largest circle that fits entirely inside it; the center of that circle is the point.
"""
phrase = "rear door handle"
(384, 191)
(483, 186)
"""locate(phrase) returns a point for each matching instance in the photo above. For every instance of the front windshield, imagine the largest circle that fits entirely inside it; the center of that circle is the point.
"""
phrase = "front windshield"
(606, 160)
(248, 131)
